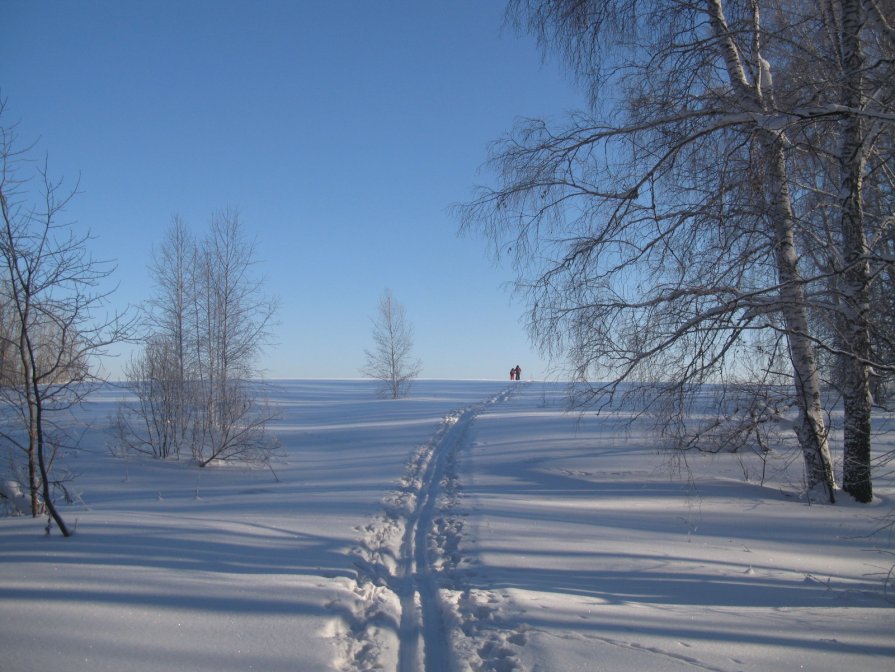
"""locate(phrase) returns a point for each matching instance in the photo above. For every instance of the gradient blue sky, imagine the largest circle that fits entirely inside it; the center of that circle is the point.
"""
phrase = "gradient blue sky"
(341, 131)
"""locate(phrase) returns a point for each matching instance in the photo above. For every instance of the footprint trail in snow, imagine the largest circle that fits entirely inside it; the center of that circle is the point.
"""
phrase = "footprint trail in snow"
(399, 563)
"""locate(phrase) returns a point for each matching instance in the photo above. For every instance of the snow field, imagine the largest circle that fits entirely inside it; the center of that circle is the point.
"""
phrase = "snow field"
(591, 552)
(475, 527)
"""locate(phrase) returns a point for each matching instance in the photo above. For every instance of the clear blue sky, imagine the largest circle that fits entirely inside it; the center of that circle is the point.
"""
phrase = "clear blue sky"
(341, 131)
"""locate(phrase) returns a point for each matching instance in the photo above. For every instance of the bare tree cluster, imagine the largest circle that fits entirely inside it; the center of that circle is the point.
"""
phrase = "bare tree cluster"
(391, 360)
(728, 195)
(53, 323)
(206, 324)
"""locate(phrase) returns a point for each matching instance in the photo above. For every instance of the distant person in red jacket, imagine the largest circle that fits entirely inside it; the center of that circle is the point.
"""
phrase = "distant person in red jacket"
(518, 372)
(512, 374)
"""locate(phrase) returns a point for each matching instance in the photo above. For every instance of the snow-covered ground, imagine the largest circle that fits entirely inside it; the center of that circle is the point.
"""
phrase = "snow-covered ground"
(472, 526)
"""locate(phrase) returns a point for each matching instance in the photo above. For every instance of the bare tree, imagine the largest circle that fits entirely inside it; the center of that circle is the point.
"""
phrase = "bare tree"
(841, 53)
(391, 360)
(52, 295)
(865, 53)
(168, 350)
(156, 426)
(207, 323)
(232, 320)
(159, 376)
(658, 232)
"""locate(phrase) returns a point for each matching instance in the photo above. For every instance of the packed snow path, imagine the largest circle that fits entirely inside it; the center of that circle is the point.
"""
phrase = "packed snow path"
(411, 571)
(421, 618)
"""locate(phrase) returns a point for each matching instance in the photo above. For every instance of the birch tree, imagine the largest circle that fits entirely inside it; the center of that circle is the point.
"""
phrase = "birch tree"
(168, 350)
(865, 89)
(206, 325)
(391, 359)
(840, 152)
(656, 234)
(233, 316)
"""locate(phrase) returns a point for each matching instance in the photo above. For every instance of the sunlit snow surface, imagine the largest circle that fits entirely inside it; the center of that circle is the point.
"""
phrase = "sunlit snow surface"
(555, 541)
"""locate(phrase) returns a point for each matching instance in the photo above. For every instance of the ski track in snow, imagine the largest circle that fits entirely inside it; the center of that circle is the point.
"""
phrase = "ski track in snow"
(406, 615)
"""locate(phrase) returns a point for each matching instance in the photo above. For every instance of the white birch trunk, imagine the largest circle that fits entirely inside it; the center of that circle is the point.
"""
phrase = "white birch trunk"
(855, 285)
(810, 427)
